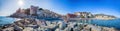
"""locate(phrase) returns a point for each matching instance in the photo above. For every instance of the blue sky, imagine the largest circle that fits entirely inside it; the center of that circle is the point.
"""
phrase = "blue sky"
(110, 7)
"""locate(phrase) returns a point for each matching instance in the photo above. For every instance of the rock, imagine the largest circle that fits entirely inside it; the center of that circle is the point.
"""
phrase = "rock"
(28, 29)
(8, 29)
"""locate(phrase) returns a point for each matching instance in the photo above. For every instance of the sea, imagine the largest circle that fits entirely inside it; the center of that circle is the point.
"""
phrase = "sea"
(6, 20)
(105, 23)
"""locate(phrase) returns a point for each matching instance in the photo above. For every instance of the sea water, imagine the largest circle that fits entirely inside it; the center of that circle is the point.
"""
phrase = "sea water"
(6, 20)
(107, 23)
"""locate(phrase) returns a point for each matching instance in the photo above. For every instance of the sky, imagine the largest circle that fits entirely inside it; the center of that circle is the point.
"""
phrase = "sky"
(109, 7)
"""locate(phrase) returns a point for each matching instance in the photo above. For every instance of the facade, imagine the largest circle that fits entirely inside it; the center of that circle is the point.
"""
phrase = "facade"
(83, 14)
(33, 10)
(18, 11)
(27, 11)
(71, 16)
(23, 11)
(40, 11)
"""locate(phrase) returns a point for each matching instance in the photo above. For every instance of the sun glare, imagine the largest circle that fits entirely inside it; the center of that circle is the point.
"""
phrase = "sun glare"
(20, 2)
